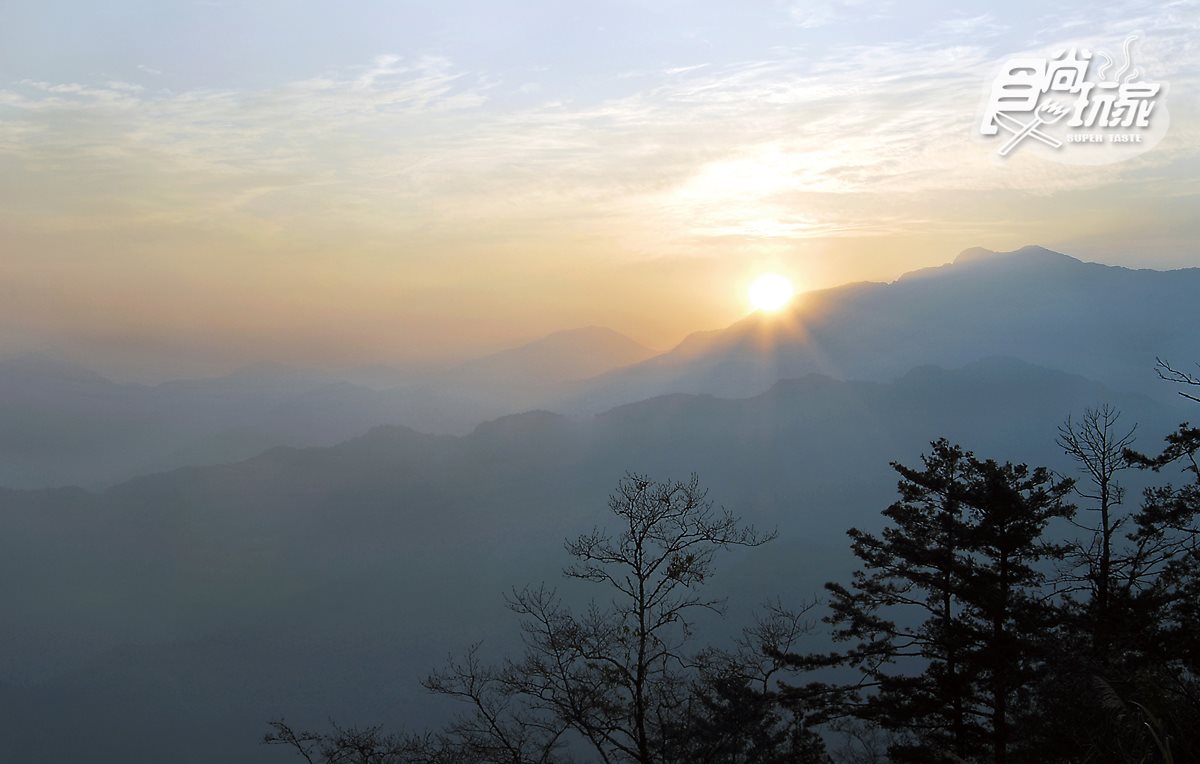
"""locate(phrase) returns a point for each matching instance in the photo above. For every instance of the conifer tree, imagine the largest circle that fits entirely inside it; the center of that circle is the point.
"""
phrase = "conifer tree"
(943, 615)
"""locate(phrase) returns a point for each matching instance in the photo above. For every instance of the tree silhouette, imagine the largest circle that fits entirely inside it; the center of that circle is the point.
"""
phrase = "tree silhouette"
(619, 674)
(967, 646)
(621, 678)
(920, 564)
(1097, 443)
(734, 713)
(944, 612)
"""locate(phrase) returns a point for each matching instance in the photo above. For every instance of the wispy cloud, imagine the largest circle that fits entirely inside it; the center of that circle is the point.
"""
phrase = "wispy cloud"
(792, 146)
(813, 14)
(414, 142)
(976, 27)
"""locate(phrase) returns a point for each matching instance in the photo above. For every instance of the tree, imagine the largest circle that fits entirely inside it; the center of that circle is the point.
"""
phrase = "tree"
(1122, 687)
(734, 713)
(1098, 444)
(620, 674)
(919, 563)
(620, 679)
(1101, 597)
(1166, 544)
(943, 610)
(1166, 555)
(500, 727)
(1169, 528)
(1005, 598)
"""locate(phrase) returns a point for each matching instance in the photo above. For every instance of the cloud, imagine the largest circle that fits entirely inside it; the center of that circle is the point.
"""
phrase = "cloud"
(813, 14)
(976, 27)
(408, 145)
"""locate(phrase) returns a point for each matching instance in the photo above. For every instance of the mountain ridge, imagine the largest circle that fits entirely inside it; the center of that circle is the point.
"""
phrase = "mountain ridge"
(64, 424)
(404, 542)
(1046, 307)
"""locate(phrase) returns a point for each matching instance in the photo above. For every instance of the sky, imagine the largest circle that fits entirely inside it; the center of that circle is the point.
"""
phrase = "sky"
(187, 186)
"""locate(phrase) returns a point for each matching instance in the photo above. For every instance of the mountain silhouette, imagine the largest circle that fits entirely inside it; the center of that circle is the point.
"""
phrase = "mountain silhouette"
(301, 542)
(166, 617)
(62, 424)
(1105, 322)
(565, 356)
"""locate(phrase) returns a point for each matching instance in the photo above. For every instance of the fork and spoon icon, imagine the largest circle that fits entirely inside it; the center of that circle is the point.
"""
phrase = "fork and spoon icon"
(1047, 114)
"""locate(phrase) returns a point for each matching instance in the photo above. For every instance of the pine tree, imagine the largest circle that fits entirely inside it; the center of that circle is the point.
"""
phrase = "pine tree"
(944, 612)
(1005, 597)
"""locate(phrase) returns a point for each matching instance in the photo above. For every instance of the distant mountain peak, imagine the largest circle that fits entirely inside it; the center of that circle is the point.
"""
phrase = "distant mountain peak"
(523, 424)
(571, 354)
(972, 254)
(1036, 249)
(1032, 303)
(1029, 251)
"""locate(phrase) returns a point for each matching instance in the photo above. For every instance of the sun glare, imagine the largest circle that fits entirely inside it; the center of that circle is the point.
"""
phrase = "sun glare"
(770, 292)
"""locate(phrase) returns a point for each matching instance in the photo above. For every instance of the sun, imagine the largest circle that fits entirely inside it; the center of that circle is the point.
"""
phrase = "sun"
(770, 292)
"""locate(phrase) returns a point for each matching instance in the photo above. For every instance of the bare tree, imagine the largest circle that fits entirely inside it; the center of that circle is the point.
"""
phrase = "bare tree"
(1098, 445)
(500, 726)
(619, 678)
(1138, 683)
(618, 674)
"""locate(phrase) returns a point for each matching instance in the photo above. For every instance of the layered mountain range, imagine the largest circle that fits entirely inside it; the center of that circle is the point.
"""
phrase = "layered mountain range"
(316, 542)
(64, 425)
